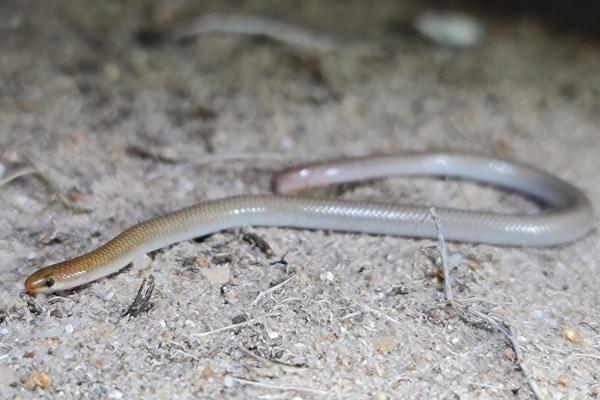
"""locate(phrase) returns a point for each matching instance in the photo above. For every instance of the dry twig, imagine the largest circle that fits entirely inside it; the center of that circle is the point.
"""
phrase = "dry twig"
(17, 174)
(144, 153)
(270, 290)
(259, 242)
(510, 335)
(141, 303)
(281, 261)
(279, 387)
(278, 363)
(229, 157)
(249, 322)
(31, 170)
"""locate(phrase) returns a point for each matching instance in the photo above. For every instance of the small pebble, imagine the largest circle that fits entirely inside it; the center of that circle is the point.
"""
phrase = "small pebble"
(449, 28)
(38, 379)
(510, 354)
(228, 381)
(12, 157)
(207, 372)
(57, 313)
(327, 276)
(190, 323)
(385, 344)
(115, 394)
(380, 396)
(219, 274)
(69, 329)
(202, 262)
(563, 380)
(571, 335)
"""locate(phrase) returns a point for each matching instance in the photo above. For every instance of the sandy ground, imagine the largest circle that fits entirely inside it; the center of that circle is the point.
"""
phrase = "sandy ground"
(125, 126)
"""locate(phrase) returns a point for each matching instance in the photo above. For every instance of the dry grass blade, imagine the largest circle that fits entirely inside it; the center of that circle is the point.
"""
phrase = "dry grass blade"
(30, 170)
(271, 289)
(17, 174)
(249, 322)
(443, 256)
(510, 335)
(254, 26)
(280, 387)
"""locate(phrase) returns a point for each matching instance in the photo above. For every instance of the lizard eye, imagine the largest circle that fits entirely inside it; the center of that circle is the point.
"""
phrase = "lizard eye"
(49, 282)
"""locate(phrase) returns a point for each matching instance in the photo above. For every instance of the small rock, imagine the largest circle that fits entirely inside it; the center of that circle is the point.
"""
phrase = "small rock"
(202, 262)
(380, 396)
(238, 319)
(57, 313)
(385, 344)
(228, 381)
(449, 28)
(207, 372)
(563, 380)
(222, 259)
(190, 323)
(510, 354)
(115, 394)
(52, 237)
(327, 276)
(398, 290)
(38, 379)
(571, 335)
(219, 274)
